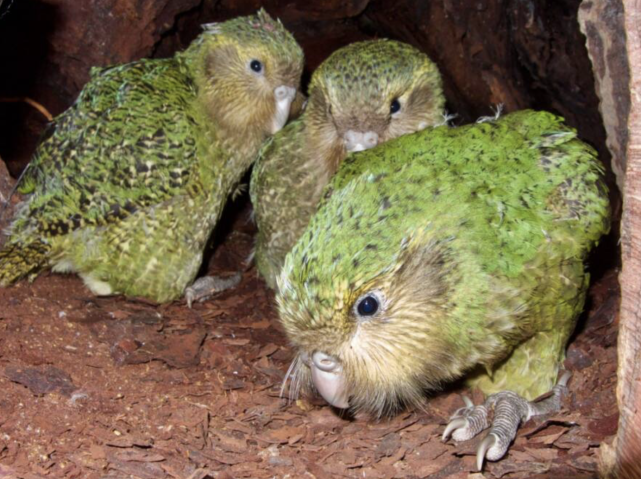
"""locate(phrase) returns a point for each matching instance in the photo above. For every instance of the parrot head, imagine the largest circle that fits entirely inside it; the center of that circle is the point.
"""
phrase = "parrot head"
(248, 70)
(373, 91)
(365, 306)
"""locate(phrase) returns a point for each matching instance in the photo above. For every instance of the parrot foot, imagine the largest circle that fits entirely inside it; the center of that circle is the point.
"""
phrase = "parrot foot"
(205, 287)
(510, 410)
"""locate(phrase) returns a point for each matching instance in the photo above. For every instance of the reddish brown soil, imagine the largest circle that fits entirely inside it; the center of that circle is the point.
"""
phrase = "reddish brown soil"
(113, 388)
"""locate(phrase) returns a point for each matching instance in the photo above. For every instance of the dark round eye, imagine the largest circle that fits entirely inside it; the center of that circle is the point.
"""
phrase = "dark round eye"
(395, 106)
(367, 306)
(257, 66)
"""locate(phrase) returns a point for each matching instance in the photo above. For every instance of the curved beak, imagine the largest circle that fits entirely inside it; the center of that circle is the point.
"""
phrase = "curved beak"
(327, 376)
(359, 141)
(283, 95)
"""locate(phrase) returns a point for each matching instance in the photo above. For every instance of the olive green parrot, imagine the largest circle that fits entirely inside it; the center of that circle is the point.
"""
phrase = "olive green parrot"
(364, 94)
(447, 253)
(131, 179)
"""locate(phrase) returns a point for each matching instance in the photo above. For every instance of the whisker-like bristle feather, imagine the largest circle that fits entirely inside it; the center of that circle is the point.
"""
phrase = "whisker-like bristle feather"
(291, 378)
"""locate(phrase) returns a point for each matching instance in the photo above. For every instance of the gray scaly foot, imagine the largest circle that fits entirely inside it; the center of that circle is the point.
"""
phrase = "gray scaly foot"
(207, 286)
(510, 410)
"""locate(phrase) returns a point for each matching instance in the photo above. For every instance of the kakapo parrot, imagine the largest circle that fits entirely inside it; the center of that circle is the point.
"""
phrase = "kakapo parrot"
(447, 253)
(132, 178)
(364, 94)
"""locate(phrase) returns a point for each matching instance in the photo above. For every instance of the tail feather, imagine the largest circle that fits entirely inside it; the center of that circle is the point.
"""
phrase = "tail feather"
(18, 261)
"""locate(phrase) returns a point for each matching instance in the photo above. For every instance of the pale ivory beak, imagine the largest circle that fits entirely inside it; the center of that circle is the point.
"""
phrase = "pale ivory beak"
(359, 141)
(284, 95)
(327, 376)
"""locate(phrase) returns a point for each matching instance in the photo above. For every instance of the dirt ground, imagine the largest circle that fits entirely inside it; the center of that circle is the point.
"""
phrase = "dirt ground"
(112, 388)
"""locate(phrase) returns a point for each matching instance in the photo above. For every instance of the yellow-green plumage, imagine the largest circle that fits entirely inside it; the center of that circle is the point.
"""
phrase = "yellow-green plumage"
(128, 185)
(472, 242)
(352, 90)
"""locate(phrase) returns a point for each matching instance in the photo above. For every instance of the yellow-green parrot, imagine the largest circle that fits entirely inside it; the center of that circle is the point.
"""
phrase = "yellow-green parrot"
(449, 253)
(131, 179)
(363, 95)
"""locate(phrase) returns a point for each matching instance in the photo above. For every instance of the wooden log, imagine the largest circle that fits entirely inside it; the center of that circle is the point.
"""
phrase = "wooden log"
(602, 23)
(628, 444)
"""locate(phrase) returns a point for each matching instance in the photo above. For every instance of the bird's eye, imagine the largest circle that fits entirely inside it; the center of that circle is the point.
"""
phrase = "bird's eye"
(395, 107)
(256, 66)
(367, 306)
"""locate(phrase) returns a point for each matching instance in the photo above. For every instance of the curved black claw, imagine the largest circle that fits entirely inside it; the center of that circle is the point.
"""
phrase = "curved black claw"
(207, 286)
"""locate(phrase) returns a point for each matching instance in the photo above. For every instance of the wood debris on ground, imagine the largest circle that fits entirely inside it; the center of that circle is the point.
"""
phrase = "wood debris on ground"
(106, 388)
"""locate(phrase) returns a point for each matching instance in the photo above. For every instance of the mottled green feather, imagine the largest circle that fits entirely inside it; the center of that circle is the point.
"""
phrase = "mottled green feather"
(284, 193)
(131, 180)
(473, 239)
(352, 90)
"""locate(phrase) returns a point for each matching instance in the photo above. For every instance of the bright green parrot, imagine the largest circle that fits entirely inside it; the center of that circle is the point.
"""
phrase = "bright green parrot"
(132, 178)
(364, 94)
(447, 253)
